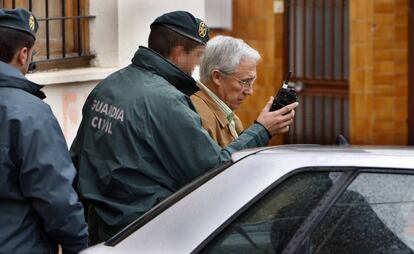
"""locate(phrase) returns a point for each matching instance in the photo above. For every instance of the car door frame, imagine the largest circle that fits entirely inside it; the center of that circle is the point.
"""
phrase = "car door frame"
(348, 171)
(313, 220)
(319, 212)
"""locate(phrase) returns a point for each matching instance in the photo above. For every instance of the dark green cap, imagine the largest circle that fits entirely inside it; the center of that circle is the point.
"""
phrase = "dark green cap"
(184, 23)
(19, 19)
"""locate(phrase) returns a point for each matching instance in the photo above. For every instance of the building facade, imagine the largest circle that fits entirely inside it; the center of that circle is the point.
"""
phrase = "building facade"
(353, 58)
(369, 95)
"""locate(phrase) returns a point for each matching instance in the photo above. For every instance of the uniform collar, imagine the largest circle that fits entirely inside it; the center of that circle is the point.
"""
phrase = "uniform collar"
(10, 70)
(152, 61)
(13, 78)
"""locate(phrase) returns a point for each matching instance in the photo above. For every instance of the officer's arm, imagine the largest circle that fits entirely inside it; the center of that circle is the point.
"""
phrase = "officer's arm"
(189, 150)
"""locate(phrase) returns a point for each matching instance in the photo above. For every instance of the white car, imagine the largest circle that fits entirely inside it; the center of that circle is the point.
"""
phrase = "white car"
(286, 199)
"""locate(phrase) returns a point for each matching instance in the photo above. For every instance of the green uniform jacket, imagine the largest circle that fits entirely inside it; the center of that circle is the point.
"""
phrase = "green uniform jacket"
(140, 140)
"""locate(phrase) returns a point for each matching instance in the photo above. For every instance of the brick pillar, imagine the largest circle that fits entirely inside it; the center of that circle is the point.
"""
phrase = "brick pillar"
(378, 71)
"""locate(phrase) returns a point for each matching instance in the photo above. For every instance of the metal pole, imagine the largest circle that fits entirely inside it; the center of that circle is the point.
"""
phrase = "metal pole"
(63, 29)
(47, 29)
(79, 29)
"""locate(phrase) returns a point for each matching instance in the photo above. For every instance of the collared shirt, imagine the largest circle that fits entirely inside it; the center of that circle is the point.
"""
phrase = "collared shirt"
(223, 106)
(214, 120)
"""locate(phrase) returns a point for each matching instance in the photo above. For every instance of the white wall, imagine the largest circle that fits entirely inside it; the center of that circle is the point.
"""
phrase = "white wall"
(104, 32)
(121, 26)
(136, 16)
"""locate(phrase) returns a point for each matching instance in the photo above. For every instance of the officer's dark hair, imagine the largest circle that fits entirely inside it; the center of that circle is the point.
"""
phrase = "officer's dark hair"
(162, 40)
(11, 41)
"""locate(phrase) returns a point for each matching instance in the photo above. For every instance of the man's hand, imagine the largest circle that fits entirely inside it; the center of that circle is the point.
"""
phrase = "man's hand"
(277, 122)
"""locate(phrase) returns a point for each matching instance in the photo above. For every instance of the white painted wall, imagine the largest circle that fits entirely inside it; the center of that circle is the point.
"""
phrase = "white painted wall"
(104, 32)
(136, 16)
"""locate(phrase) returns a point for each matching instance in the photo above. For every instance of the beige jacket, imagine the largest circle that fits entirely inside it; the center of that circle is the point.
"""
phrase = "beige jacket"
(214, 120)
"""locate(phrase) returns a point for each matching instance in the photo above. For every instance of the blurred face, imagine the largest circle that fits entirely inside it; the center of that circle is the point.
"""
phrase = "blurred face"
(233, 88)
(187, 61)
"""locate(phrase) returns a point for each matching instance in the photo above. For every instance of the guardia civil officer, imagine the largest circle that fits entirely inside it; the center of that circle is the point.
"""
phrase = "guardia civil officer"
(39, 208)
(141, 139)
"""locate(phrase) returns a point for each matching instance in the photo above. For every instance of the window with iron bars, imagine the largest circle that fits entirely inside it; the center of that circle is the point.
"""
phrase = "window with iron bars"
(63, 37)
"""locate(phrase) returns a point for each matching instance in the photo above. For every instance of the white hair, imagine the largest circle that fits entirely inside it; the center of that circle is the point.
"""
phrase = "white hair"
(225, 53)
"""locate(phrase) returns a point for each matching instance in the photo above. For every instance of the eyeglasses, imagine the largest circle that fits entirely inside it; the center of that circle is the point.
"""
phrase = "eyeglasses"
(245, 83)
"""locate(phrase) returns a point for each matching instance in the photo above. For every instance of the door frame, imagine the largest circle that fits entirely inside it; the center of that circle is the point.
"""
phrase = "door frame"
(325, 91)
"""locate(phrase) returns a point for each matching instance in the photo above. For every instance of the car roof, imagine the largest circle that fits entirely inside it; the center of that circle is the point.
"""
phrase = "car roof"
(323, 152)
(212, 189)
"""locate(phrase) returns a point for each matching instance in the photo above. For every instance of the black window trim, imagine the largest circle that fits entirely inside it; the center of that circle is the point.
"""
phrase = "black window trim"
(349, 174)
(312, 169)
(317, 214)
(295, 245)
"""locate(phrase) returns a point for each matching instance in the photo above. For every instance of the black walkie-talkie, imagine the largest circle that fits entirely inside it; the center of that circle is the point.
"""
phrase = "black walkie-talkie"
(285, 96)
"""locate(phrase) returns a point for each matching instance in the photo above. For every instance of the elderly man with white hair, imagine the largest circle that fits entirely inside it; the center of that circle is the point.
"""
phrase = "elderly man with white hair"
(227, 74)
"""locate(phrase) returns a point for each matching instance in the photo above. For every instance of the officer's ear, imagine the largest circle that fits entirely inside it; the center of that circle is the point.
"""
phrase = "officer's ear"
(21, 59)
(22, 56)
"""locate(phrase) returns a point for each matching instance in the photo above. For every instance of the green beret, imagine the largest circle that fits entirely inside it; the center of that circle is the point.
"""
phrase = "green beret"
(185, 24)
(19, 19)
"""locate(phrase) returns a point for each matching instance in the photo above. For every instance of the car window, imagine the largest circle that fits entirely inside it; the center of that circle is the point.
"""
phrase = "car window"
(375, 214)
(268, 225)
